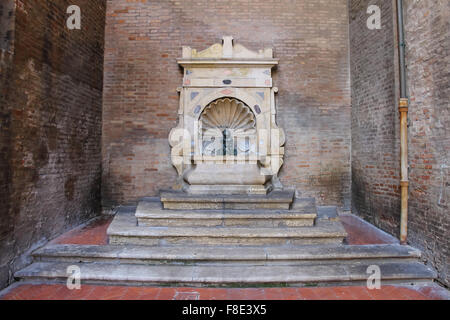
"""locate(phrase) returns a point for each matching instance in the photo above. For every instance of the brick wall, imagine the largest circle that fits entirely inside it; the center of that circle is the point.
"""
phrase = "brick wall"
(6, 47)
(143, 41)
(427, 27)
(7, 9)
(375, 119)
(50, 126)
(375, 123)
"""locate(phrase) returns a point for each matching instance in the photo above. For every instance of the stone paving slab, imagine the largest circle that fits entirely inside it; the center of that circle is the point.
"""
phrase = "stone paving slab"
(327, 212)
(182, 200)
(412, 272)
(250, 255)
(155, 209)
(362, 232)
(274, 196)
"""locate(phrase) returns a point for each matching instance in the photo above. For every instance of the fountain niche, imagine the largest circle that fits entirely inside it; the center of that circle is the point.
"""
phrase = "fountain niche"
(227, 140)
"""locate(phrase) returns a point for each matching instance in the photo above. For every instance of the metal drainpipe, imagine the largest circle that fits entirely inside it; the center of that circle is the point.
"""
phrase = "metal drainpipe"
(403, 109)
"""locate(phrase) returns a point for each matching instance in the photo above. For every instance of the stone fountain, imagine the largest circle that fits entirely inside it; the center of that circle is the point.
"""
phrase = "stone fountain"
(227, 140)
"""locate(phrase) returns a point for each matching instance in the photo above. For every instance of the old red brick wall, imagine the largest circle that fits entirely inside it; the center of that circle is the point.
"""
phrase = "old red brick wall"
(427, 27)
(7, 9)
(375, 120)
(6, 47)
(143, 41)
(375, 123)
(51, 110)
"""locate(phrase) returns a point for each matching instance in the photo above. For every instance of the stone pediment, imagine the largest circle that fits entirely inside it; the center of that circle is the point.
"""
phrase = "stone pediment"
(227, 51)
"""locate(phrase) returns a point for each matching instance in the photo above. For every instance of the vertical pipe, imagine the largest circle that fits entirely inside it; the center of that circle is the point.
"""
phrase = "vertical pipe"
(401, 46)
(404, 169)
(403, 109)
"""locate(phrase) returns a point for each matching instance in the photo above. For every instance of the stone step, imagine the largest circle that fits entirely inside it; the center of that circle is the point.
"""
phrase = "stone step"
(179, 200)
(291, 255)
(152, 214)
(223, 275)
(124, 230)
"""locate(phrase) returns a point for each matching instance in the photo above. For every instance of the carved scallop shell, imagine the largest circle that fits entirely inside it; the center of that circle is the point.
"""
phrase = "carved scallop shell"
(228, 113)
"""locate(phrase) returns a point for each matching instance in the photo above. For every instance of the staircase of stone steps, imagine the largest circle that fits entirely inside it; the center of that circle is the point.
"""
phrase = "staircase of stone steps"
(228, 266)
(197, 240)
(208, 220)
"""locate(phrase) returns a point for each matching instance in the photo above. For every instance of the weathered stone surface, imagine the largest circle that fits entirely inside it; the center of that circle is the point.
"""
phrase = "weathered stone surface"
(228, 275)
(285, 196)
(223, 256)
(152, 214)
(273, 200)
(124, 230)
(327, 212)
(228, 189)
(289, 255)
